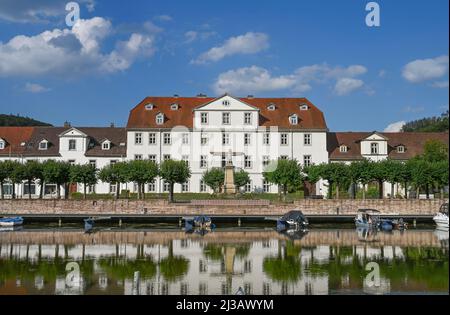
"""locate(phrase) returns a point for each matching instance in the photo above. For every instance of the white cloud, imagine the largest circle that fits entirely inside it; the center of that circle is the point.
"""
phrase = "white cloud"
(395, 127)
(411, 109)
(192, 36)
(164, 18)
(35, 88)
(426, 69)
(345, 86)
(33, 11)
(257, 79)
(249, 43)
(440, 84)
(67, 52)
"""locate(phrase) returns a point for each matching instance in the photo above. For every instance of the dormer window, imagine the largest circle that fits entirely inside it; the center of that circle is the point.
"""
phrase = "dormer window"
(149, 107)
(271, 107)
(374, 148)
(401, 149)
(43, 145)
(293, 119)
(226, 103)
(174, 107)
(160, 119)
(2, 144)
(343, 149)
(304, 107)
(106, 145)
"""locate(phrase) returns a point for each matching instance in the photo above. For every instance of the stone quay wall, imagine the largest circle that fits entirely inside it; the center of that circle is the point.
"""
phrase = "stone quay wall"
(217, 207)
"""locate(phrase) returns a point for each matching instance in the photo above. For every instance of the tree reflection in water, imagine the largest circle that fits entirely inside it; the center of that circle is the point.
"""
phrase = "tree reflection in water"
(286, 266)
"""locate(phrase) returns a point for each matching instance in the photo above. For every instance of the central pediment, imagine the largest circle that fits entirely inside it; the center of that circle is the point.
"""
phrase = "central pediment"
(226, 103)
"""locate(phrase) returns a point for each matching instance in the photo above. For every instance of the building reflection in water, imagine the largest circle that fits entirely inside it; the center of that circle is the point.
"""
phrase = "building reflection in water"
(323, 262)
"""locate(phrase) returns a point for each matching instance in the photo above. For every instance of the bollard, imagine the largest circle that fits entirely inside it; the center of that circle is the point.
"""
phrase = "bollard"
(239, 222)
(180, 223)
(59, 222)
(414, 222)
(120, 222)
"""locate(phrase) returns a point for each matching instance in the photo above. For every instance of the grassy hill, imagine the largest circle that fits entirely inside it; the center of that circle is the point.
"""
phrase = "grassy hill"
(431, 124)
(13, 120)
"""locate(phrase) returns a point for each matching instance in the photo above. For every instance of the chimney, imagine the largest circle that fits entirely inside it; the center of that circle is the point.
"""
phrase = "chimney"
(250, 96)
(175, 95)
(67, 124)
(201, 95)
(112, 125)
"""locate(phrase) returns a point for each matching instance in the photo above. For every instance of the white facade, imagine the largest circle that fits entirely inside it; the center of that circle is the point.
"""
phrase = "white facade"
(223, 126)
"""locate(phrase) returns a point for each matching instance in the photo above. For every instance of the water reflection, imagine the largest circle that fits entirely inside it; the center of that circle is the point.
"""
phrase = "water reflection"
(222, 262)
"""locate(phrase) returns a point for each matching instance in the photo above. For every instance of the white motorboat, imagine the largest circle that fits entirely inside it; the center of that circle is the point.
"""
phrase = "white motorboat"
(441, 218)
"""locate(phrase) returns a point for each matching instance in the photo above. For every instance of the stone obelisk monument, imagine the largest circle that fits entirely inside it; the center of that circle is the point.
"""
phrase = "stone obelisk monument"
(229, 186)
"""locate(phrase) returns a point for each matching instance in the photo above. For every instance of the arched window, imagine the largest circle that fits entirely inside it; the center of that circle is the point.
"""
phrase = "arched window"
(160, 119)
(293, 119)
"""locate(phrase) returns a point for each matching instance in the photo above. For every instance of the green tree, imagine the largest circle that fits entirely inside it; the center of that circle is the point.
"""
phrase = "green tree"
(32, 170)
(336, 174)
(6, 168)
(287, 173)
(140, 172)
(313, 173)
(85, 174)
(394, 173)
(421, 175)
(379, 173)
(58, 173)
(174, 172)
(440, 175)
(435, 151)
(241, 178)
(115, 174)
(214, 178)
(16, 176)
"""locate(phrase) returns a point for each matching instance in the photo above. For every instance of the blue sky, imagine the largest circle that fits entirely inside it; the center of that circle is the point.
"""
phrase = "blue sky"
(363, 78)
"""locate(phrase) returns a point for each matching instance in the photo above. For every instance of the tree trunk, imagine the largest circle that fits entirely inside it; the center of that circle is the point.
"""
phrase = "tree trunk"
(84, 190)
(337, 191)
(117, 190)
(406, 190)
(380, 189)
(392, 190)
(330, 190)
(171, 192)
(13, 196)
(41, 190)
(417, 192)
(143, 191)
(364, 192)
(29, 189)
(427, 190)
(2, 195)
(441, 193)
(284, 192)
(58, 191)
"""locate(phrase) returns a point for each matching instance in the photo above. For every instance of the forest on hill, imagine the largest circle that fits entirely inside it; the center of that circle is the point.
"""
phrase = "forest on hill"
(430, 124)
(19, 121)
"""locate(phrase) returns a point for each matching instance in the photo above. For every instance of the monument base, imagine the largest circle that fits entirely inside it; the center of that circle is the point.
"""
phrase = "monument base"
(229, 186)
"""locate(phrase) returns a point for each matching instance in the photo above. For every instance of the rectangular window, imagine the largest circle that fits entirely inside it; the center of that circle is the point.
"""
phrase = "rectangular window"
(112, 188)
(204, 118)
(185, 187)
(247, 118)
(138, 138)
(166, 186)
(203, 161)
(152, 187)
(112, 162)
(226, 119)
(266, 186)
(307, 160)
(374, 148)
(224, 160)
(72, 162)
(225, 138)
(138, 156)
(204, 139)
(202, 186)
(266, 160)
(185, 159)
(307, 139)
(152, 158)
(93, 163)
(248, 187)
(247, 139)
(247, 161)
(284, 139)
(166, 157)
(33, 189)
(266, 138)
(284, 157)
(42, 145)
(72, 145)
(166, 138)
(185, 138)
(2, 145)
(152, 138)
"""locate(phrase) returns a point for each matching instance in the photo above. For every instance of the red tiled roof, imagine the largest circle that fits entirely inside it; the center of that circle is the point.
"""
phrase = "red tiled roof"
(413, 142)
(139, 117)
(14, 137)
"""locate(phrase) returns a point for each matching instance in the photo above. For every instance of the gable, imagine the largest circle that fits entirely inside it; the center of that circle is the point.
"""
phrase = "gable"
(227, 103)
(73, 132)
(375, 136)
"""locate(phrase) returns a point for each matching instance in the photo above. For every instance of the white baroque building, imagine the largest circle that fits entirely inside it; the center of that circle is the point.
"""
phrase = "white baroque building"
(203, 131)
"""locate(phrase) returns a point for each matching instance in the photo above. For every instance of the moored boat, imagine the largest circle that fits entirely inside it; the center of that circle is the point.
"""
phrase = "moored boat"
(293, 219)
(441, 218)
(13, 221)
